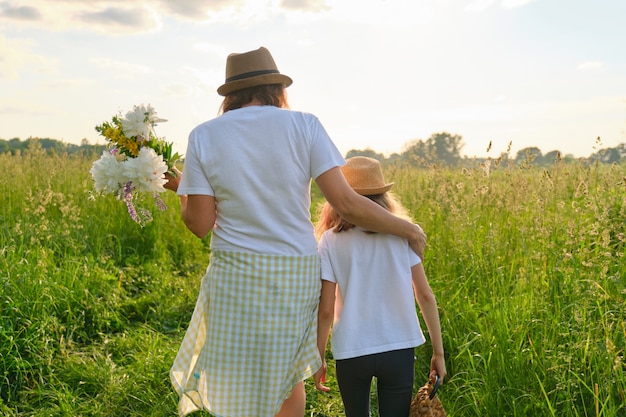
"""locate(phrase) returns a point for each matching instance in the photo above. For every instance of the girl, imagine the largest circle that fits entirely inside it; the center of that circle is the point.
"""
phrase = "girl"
(366, 288)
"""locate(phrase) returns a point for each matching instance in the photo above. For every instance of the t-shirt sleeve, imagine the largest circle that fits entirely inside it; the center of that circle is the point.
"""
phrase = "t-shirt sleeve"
(324, 153)
(326, 266)
(194, 180)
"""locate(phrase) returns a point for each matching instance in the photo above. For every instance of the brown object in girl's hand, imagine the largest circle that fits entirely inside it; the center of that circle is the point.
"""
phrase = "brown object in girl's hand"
(426, 403)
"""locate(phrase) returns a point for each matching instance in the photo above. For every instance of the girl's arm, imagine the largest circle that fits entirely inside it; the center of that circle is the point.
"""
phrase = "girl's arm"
(428, 306)
(325, 320)
(363, 212)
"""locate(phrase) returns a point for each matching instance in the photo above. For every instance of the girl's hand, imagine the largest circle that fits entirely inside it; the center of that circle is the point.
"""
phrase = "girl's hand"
(173, 181)
(319, 377)
(437, 367)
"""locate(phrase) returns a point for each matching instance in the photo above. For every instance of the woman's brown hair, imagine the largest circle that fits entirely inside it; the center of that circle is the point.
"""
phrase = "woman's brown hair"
(267, 95)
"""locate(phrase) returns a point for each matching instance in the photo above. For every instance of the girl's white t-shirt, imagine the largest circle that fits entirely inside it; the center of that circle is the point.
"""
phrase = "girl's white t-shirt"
(258, 163)
(375, 307)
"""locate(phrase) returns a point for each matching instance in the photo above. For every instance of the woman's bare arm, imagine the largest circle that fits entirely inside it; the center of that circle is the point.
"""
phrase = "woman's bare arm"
(198, 211)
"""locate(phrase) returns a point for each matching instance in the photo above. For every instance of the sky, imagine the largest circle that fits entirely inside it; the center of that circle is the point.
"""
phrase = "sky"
(379, 74)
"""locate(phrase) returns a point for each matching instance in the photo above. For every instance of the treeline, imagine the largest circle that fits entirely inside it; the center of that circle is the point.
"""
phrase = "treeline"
(444, 149)
(441, 149)
(17, 146)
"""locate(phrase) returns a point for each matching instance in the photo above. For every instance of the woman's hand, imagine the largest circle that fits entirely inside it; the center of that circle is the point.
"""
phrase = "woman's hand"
(418, 242)
(173, 181)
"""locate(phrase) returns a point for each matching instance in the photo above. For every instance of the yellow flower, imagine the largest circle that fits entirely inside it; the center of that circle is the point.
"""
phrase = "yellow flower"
(128, 144)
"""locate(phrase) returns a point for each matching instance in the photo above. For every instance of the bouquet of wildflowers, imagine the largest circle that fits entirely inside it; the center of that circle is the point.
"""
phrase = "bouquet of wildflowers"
(135, 161)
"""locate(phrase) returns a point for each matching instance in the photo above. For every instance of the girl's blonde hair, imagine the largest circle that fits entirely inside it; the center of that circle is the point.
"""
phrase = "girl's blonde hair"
(329, 219)
(267, 95)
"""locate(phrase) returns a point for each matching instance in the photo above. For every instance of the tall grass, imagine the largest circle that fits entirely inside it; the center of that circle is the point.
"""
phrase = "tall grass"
(527, 264)
(92, 307)
(529, 270)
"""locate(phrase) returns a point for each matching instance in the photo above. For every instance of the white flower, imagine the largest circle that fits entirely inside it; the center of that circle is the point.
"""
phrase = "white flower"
(108, 173)
(146, 171)
(140, 121)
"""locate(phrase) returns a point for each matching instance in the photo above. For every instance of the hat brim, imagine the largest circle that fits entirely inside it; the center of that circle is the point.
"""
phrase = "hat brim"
(265, 79)
(374, 191)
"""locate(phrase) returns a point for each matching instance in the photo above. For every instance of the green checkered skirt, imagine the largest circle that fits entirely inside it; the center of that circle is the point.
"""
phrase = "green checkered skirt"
(252, 335)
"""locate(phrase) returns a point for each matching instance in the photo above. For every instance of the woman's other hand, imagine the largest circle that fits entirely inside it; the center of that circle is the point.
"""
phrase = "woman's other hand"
(418, 242)
(173, 181)
(319, 377)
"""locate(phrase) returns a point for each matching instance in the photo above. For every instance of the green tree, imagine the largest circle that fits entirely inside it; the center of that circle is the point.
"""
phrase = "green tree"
(551, 157)
(366, 152)
(525, 156)
(446, 147)
(415, 152)
(610, 155)
(440, 148)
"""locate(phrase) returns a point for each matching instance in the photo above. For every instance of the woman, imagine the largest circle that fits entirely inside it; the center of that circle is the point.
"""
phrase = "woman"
(252, 338)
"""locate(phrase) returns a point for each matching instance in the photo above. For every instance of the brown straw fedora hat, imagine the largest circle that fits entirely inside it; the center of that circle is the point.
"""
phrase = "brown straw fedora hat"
(365, 176)
(249, 69)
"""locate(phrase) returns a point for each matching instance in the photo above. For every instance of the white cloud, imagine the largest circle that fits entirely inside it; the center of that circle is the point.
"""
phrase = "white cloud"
(304, 5)
(394, 13)
(24, 109)
(499, 99)
(479, 5)
(194, 9)
(128, 16)
(215, 50)
(120, 19)
(509, 4)
(177, 90)
(120, 69)
(10, 11)
(590, 65)
(137, 16)
(16, 58)
(203, 78)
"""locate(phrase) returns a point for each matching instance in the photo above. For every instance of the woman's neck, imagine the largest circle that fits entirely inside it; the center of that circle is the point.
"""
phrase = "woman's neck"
(254, 102)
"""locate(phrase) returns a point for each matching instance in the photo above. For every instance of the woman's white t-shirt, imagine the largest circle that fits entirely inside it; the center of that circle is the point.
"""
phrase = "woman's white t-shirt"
(258, 163)
(375, 306)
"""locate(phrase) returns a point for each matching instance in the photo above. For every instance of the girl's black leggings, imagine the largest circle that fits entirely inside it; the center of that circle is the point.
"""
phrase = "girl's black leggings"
(394, 374)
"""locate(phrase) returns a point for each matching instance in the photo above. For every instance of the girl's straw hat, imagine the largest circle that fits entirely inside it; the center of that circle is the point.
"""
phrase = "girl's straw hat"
(365, 176)
(250, 69)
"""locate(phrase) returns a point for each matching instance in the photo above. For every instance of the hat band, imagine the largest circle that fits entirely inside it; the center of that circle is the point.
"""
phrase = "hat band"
(250, 74)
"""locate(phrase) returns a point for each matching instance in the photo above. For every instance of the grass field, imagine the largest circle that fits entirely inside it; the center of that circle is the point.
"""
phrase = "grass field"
(527, 264)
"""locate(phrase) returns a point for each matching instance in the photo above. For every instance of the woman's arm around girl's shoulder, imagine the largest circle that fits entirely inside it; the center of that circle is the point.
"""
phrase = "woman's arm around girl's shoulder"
(363, 212)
